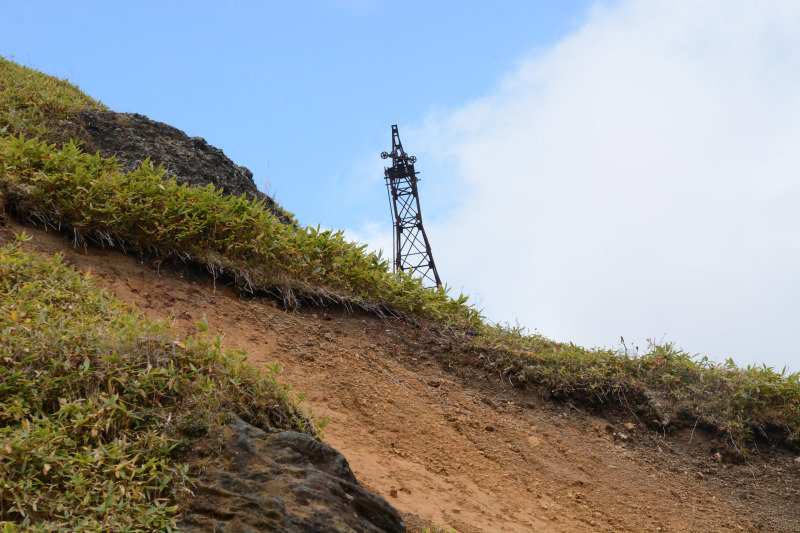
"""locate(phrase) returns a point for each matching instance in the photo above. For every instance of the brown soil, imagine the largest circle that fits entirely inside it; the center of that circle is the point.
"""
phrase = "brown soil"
(456, 446)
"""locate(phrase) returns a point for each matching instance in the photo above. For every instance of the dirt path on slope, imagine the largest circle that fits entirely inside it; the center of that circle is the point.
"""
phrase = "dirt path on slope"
(459, 447)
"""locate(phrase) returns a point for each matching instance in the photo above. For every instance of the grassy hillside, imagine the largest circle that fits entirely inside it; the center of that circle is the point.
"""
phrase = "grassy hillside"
(93, 199)
(32, 103)
(96, 402)
(664, 387)
(72, 356)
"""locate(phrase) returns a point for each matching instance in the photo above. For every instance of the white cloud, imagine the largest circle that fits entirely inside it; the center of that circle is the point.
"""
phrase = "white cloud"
(641, 178)
(377, 237)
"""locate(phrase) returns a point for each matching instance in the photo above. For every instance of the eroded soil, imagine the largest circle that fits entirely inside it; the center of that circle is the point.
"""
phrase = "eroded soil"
(456, 446)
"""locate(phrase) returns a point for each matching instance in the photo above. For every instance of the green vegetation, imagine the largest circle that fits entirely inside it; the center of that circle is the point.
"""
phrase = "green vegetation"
(665, 387)
(93, 198)
(96, 402)
(141, 211)
(32, 103)
(93, 398)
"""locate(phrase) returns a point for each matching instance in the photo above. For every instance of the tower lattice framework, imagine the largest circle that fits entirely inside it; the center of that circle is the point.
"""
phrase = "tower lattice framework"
(412, 251)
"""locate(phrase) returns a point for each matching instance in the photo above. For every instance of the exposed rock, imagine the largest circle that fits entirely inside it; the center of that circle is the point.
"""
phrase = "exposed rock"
(621, 436)
(658, 414)
(132, 138)
(283, 482)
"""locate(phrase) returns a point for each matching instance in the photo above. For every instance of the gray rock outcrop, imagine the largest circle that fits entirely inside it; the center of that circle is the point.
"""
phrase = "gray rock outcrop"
(132, 138)
(283, 482)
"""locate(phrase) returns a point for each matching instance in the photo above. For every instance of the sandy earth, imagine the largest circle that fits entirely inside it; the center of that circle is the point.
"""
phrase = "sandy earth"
(456, 446)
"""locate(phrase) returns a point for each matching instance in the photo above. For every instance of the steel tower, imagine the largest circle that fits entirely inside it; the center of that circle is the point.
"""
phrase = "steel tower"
(412, 251)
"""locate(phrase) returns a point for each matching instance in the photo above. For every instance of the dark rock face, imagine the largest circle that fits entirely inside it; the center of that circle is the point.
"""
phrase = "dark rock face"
(283, 482)
(132, 138)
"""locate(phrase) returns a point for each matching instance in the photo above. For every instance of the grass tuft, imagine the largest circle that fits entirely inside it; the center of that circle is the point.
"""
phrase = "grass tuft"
(665, 387)
(32, 102)
(91, 197)
(96, 402)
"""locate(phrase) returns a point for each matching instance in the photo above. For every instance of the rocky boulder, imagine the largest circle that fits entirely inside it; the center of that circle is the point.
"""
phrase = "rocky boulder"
(132, 138)
(283, 482)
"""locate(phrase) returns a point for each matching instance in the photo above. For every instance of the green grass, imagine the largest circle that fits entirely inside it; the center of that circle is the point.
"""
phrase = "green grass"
(92, 197)
(32, 103)
(141, 211)
(96, 402)
(665, 387)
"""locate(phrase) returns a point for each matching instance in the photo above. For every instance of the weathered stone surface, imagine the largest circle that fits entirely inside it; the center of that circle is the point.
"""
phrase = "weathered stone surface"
(132, 138)
(283, 482)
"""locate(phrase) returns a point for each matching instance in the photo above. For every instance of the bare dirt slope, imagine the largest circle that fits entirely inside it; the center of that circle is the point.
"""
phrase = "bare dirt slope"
(456, 446)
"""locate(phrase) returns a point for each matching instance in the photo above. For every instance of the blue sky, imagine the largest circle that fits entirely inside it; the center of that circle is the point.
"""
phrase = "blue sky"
(591, 169)
(295, 91)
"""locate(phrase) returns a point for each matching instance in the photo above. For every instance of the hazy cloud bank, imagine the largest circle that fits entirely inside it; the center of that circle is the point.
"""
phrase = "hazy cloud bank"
(641, 178)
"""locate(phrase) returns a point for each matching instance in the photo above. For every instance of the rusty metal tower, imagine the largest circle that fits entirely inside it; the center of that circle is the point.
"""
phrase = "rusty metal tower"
(412, 251)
